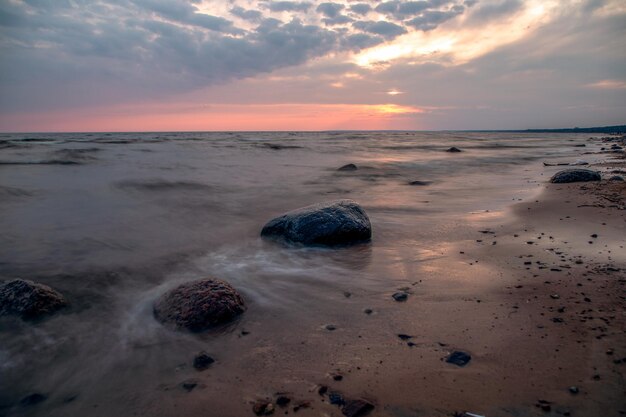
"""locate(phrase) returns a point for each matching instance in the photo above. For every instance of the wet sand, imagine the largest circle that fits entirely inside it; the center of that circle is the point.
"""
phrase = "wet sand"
(526, 290)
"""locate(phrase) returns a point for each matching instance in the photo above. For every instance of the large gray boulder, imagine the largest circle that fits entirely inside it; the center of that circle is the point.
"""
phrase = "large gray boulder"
(199, 305)
(575, 175)
(341, 222)
(29, 300)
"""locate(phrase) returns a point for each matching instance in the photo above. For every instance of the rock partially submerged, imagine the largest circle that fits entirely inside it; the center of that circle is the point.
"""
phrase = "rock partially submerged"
(199, 305)
(420, 183)
(453, 149)
(348, 167)
(575, 175)
(341, 222)
(29, 300)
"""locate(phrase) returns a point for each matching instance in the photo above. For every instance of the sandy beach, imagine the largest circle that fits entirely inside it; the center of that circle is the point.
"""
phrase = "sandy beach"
(531, 290)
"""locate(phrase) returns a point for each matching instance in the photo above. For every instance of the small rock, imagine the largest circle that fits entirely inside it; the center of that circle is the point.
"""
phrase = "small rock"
(573, 389)
(301, 405)
(338, 377)
(357, 408)
(459, 358)
(616, 178)
(368, 311)
(420, 183)
(330, 327)
(189, 385)
(336, 398)
(453, 149)
(400, 296)
(348, 167)
(202, 361)
(263, 408)
(404, 336)
(575, 175)
(282, 400)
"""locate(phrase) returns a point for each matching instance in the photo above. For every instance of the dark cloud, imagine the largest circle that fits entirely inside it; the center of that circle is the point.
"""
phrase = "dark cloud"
(491, 11)
(360, 8)
(252, 15)
(288, 6)
(383, 28)
(430, 19)
(330, 10)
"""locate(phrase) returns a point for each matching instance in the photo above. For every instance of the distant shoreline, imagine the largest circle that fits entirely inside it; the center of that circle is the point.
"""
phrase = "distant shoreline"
(616, 129)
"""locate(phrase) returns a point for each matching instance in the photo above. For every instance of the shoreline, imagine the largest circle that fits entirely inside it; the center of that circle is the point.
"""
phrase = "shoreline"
(475, 293)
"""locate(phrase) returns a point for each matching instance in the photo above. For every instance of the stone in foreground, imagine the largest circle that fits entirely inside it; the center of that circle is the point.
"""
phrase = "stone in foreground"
(335, 223)
(199, 305)
(575, 175)
(29, 300)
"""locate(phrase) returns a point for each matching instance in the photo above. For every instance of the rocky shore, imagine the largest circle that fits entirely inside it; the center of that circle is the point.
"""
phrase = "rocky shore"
(522, 317)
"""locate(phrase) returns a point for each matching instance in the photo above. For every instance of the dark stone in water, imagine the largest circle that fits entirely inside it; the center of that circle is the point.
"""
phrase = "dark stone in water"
(357, 408)
(453, 149)
(575, 175)
(420, 182)
(334, 223)
(29, 300)
(348, 167)
(459, 358)
(199, 305)
(33, 399)
(202, 361)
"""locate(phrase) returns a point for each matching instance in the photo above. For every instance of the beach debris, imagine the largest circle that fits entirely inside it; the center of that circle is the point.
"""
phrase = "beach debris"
(263, 408)
(459, 358)
(29, 300)
(453, 149)
(199, 305)
(400, 296)
(202, 361)
(348, 167)
(575, 175)
(334, 223)
(420, 182)
(357, 408)
(282, 400)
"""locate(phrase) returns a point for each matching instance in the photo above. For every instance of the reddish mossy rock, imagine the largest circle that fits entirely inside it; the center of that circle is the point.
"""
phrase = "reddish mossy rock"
(199, 305)
(29, 300)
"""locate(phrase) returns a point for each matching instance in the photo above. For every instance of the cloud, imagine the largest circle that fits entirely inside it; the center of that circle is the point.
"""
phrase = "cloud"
(360, 8)
(288, 6)
(430, 19)
(330, 10)
(385, 29)
(245, 14)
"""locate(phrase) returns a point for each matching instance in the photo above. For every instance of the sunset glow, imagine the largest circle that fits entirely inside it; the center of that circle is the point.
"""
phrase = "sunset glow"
(485, 64)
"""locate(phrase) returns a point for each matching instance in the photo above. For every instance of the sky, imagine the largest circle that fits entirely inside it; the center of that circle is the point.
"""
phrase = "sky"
(186, 65)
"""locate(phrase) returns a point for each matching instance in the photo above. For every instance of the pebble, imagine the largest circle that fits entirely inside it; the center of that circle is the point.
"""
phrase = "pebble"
(400, 296)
